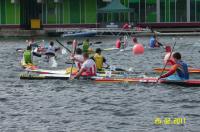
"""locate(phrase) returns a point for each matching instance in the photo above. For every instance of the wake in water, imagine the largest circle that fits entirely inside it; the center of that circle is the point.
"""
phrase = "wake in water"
(52, 62)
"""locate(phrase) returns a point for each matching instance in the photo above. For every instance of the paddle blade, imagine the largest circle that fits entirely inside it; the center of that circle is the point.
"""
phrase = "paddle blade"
(97, 42)
(74, 70)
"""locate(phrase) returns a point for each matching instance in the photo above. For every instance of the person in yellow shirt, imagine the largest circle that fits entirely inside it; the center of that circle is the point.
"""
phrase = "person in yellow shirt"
(99, 59)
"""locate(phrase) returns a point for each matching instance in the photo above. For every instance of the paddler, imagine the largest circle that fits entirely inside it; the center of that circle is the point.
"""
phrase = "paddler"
(118, 43)
(134, 40)
(153, 42)
(27, 56)
(51, 50)
(179, 71)
(167, 60)
(88, 68)
(121, 43)
(99, 59)
(86, 46)
(78, 58)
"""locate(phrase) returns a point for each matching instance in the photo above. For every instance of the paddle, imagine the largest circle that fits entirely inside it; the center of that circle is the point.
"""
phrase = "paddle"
(98, 42)
(63, 46)
(115, 69)
(166, 63)
(69, 42)
(21, 49)
(37, 42)
(73, 62)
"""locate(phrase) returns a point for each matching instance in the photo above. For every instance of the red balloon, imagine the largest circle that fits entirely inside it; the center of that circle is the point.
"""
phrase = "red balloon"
(138, 49)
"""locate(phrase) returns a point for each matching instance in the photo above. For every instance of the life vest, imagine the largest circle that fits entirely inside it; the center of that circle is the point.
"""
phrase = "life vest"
(182, 70)
(99, 61)
(85, 46)
(27, 57)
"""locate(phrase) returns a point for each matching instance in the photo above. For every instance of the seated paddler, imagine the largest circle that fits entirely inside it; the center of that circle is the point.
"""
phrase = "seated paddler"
(27, 56)
(178, 71)
(99, 59)
(88, 68)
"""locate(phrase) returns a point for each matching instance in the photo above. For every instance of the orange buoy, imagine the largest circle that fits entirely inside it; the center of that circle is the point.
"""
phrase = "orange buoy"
(138, 49)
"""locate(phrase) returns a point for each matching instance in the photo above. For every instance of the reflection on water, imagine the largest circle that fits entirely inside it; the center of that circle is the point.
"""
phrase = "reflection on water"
(57, 105)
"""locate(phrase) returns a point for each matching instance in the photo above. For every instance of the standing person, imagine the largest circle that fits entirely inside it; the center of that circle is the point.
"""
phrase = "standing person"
(86, 46)
(99, 59)
(179, 71)
(88, 67)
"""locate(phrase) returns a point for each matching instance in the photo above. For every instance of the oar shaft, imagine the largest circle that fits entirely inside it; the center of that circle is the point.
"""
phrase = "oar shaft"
(37, 42)
(63, 46)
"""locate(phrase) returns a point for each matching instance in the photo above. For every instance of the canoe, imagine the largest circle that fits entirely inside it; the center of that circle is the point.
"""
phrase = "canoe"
(190, 70)
(67, 71)
(129, 49)
(29, 76)
(110, 49)
(86, 33)
(97, 79)
(193, 82)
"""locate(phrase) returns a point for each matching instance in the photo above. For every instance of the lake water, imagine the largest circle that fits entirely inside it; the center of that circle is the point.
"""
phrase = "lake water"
(84, 106)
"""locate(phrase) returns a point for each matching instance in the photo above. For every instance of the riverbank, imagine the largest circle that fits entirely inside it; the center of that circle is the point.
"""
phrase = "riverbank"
(56, 32)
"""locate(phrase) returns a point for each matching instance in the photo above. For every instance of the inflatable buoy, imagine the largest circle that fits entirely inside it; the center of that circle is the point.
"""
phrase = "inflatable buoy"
(138, 49)
(118, 44)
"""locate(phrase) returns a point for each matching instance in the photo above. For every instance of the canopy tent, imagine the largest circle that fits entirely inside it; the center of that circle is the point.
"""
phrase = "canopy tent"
(114, 7)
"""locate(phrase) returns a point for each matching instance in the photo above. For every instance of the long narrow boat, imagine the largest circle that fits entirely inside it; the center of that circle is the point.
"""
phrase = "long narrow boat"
(129, 49)
(193, 83)
(191, 70)
(85, 33)
(68, 70)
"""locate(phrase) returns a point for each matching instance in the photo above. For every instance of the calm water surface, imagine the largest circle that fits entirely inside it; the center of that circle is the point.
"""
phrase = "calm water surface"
(73, 106)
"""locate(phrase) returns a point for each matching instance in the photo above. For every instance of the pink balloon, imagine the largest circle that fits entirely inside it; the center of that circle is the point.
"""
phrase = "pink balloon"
(138, 49)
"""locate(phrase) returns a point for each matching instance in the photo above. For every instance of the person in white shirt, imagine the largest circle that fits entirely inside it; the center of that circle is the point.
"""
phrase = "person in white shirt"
(88, 67)
(78, 58)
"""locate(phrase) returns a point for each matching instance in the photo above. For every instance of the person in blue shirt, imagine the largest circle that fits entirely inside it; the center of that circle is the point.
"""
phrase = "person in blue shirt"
(153, 42)
(178, 71)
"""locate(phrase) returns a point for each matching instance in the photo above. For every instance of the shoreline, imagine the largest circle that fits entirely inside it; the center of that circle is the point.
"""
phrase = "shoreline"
(107, 32)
